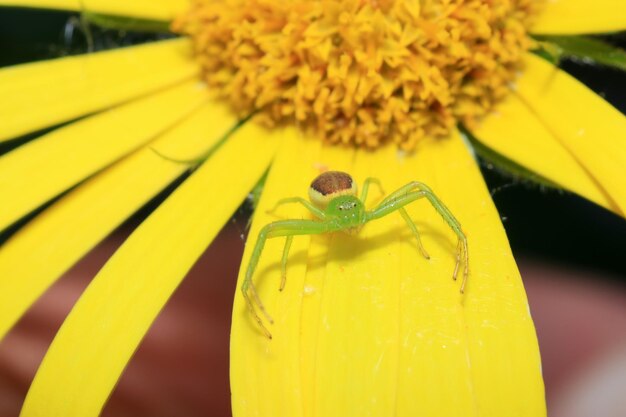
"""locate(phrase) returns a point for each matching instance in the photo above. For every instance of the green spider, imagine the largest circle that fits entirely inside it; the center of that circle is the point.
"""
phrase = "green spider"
(334, 202)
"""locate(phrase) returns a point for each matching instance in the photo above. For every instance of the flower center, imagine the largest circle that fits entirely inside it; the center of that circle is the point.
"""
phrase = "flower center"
(361, 72)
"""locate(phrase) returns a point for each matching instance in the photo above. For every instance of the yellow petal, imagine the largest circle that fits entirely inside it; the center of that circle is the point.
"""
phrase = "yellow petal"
(145, 9)
(63, 233)
(45, 93)
(571, 17)
(106, 325)
(514, 131)
(43, 168)
(365, 325)
(587, 126)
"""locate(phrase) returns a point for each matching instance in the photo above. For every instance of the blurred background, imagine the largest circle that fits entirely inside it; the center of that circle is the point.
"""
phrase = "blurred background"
(570, 253)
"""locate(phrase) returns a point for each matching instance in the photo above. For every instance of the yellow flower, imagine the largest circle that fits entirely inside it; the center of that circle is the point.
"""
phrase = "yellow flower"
(365, 326)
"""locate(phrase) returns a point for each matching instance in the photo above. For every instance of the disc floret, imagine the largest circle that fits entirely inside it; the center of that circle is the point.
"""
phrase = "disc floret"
(361, 72)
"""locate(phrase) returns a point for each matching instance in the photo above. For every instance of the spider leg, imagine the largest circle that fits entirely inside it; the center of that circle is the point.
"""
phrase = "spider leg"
(366, 186)
(462, 250)
(404, 196)
(401, 191)
(288, 228)
(413, 228)
(389, 206)
(308, 205)
(397, 204)
(250, 304)
(458, 259)
(283, 263)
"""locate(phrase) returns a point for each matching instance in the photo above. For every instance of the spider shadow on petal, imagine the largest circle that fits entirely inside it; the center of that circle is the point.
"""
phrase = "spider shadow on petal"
(359, 246)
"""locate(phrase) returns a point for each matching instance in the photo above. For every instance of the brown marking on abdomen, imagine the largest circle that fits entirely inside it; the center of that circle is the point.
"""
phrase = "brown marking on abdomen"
(331, 182)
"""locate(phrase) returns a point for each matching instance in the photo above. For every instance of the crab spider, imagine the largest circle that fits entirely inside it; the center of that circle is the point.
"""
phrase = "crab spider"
(335, 204)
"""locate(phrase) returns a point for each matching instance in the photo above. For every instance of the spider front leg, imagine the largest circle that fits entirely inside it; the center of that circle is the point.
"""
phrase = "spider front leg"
(462, 250)
(366, 186)
(288, 228)
(402, 211)
(413, 228)
(447, 216)
(316, 211)
(404, 196)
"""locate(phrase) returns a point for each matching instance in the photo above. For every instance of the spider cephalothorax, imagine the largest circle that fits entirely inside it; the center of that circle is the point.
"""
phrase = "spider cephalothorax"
(335, 203)
(348, 212)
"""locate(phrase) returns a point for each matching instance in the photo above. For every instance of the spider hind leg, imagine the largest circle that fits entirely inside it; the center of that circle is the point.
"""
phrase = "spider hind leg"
(288, 229)
(283, 262)
(462, 250)
(250, 304)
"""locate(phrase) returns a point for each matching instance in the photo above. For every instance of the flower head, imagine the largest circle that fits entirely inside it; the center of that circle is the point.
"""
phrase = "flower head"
(361, 72)
(365, 325)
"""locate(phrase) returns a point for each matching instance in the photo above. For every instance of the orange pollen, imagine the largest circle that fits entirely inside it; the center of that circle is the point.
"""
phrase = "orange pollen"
(361, 72)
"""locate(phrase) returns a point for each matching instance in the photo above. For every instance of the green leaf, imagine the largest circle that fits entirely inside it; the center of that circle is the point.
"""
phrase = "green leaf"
(125, 23)
(581, 48)
(196, 162)
(255, 194)
(550, 52)
(506, 165)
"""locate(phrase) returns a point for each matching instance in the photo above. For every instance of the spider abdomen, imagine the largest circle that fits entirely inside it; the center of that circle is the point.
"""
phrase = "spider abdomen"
(328, 185)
